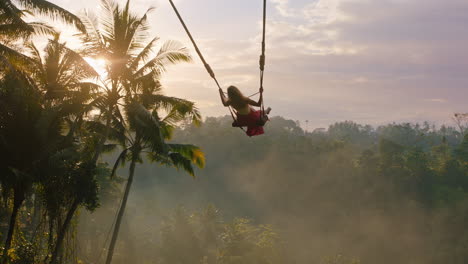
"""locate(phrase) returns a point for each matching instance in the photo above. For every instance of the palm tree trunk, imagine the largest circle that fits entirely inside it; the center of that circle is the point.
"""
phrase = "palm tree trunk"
(17, 202)
(35, 217)
(50, 240)
(63, 230)
(115, 234)
(103, 139)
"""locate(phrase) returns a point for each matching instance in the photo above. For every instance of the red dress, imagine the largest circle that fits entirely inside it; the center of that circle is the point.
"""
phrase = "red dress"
(251, 121)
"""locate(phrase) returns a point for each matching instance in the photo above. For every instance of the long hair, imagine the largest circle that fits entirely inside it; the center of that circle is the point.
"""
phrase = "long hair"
(236, 97)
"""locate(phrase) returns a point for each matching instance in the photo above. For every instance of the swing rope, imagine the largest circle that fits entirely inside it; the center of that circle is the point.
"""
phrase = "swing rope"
(208, 67)
(262, 57)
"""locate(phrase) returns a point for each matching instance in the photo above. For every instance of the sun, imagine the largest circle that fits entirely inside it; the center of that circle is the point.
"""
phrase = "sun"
(99, 65)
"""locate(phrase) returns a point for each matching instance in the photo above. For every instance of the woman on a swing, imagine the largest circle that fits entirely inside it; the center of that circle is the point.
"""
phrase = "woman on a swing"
(247, 116)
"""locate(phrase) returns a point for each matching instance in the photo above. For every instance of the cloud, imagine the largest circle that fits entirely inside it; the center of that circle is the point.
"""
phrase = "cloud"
(323, 11)
(404, 48)
(282, 7)
(436, 100)
(330, 60)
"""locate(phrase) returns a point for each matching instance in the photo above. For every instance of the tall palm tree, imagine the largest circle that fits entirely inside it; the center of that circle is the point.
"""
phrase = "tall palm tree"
(118, 36)
(47, 98)
(146, 134)
(133, 95)
(19, 112)
(30, 133)
(62, 75)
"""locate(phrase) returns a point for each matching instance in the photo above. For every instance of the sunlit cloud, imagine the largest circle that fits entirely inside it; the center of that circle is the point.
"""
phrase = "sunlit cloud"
(327, 60)
(282, 7)
(323, 11)
(436, 100)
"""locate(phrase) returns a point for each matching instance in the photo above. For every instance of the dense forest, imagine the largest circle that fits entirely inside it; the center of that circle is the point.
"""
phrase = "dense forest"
(351, 193)
(107, 168)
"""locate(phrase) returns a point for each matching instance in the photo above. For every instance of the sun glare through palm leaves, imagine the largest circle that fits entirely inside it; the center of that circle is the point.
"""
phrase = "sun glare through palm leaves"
(99, 65)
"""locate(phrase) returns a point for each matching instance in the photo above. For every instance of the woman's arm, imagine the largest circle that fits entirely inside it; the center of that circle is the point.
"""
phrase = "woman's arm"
(223, 98)
(259, 103)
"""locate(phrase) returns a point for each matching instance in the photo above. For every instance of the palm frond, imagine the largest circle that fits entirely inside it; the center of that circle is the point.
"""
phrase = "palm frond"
(44, 7)
(190, 152)
(174, 117)
(119, 128)
(10, 11)
(78, 61)
(100, 103)
(174, 52)
(147, 84)
(174, 159)
(147, 126)
(15, 31)
(144, 54)
(180, 161)
(14, 57)
(107, 18)
(114, 133)
(35, 54)
(178, 109)
(40, 28)
(87, 87)
(171, 52)
(35, 66)
(91, 38)
(139, 30)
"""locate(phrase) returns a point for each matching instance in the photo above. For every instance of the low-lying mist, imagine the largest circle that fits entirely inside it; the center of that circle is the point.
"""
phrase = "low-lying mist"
(393, 194)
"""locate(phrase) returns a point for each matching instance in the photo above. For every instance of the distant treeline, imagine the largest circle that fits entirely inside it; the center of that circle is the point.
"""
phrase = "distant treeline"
(393, 194)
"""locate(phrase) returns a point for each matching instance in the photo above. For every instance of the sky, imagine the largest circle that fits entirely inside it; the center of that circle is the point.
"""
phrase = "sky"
(369, 61)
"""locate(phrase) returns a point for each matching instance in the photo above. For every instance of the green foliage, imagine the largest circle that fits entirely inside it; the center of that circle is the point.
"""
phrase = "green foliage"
(136, 114)
(462, 151)
(340, 194)
(43, 105)
(24, 253)
(324, 194)
(203, 237)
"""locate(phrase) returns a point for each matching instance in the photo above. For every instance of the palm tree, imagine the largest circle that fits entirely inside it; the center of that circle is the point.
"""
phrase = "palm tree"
(61, 74)
(119, 36)
(30, 133)
(19, 115)
(133, 95)
(147, 134)
(36, 107)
